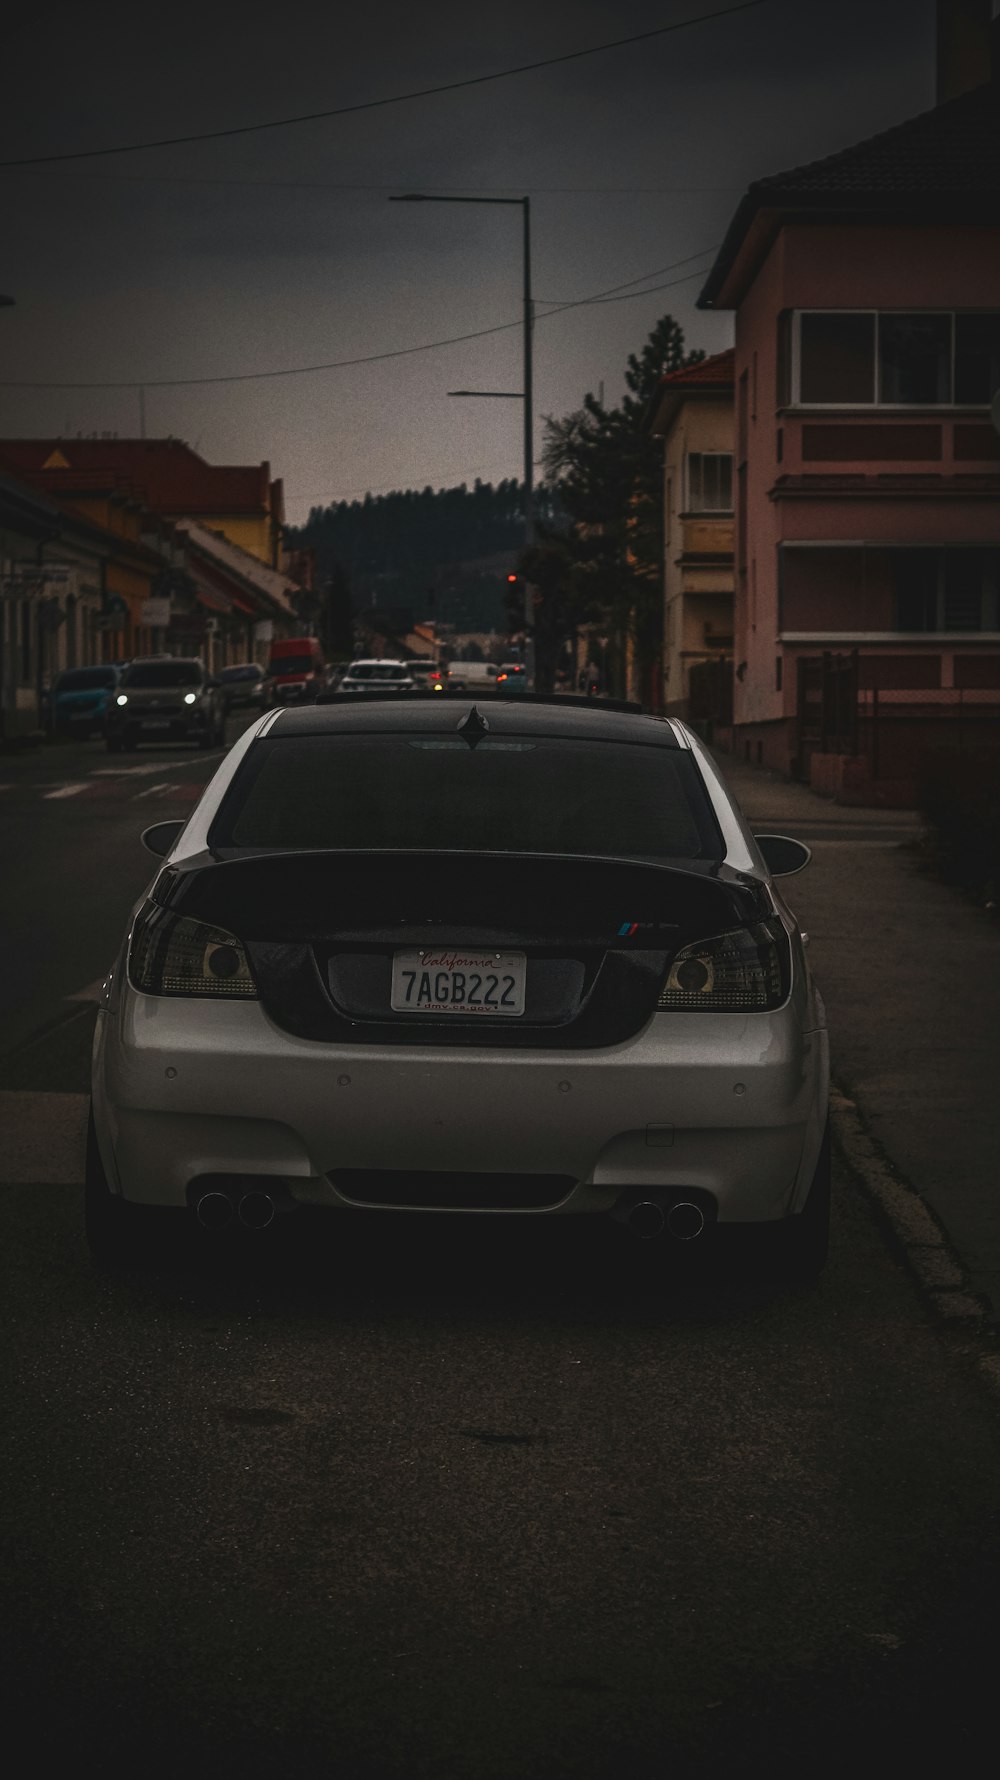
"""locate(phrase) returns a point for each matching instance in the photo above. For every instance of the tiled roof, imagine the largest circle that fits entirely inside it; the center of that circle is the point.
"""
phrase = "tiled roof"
(945, 162)
(717, 371)
(166, 473)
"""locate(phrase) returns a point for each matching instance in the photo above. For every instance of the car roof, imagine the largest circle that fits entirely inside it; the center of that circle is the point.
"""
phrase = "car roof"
(158, 661)
(529, 715)
(377, 661)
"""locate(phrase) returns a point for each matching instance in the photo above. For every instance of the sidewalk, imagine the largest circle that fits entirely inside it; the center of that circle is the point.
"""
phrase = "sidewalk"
(910, 973)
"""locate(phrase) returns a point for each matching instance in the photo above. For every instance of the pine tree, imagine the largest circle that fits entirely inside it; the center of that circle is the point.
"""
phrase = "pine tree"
(607, 471)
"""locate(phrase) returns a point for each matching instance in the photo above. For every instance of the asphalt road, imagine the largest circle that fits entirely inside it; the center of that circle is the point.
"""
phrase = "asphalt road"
(485, 1504)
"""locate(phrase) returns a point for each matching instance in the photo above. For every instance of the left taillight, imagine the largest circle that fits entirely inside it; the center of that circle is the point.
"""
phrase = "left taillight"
(175, 955)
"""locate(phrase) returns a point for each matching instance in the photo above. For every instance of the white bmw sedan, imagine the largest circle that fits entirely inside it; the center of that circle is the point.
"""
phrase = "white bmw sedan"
(509, 959)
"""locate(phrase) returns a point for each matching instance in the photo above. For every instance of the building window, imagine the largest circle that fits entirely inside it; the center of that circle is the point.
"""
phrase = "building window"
(946, 590)
(914, 359)
(895, 359)
(710, 481)
(836, 358)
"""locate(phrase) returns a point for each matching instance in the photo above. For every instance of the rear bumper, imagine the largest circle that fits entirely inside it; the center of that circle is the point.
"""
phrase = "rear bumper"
(732, 1105)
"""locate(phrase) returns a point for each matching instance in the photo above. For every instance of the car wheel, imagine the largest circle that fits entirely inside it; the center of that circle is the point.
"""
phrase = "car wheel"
(803, 1241)
(119, 1235)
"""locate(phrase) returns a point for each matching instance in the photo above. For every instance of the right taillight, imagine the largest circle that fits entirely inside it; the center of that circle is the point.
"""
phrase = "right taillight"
(742, 971)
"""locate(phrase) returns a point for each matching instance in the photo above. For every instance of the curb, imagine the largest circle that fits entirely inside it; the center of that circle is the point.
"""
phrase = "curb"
(919, 1237)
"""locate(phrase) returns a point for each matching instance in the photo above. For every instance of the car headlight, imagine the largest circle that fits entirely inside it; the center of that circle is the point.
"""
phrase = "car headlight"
(176, 955)
(190, 698)
(122, 699)
(744, 971)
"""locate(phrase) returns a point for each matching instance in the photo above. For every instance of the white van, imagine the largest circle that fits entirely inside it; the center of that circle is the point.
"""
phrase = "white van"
(464, 676)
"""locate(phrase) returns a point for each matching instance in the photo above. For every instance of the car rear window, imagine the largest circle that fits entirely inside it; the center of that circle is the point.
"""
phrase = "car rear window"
(163, 673)
(537, 794)
(241, 673)
(376, 670)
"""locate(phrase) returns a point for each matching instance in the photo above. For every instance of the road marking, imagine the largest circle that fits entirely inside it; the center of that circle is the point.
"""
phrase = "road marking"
(122, 772)
(154, 791)
(66, 790)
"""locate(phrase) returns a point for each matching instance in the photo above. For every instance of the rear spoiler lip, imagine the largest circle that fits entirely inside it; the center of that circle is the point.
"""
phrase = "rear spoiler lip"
(204, 886)
(714, 869)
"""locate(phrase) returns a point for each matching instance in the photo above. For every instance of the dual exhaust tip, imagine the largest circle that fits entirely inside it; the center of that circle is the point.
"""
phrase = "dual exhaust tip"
(255, 1210)
(683, 1220)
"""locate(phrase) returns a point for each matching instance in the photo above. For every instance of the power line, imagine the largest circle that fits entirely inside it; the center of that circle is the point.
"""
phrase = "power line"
(451, 86)
(605, 295)
(370, 358)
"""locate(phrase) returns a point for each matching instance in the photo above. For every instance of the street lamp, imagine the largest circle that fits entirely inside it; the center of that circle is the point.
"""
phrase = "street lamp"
(525, 395)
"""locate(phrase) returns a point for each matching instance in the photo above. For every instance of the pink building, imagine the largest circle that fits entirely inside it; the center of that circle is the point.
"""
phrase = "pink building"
(866, 288)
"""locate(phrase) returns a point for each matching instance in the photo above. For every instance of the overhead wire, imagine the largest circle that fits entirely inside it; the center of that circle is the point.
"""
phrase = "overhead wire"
(607, 296)
(451, 86)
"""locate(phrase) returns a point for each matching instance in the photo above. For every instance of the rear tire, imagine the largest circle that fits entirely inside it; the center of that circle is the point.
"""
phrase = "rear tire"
(121, 1237)
(804, 1240)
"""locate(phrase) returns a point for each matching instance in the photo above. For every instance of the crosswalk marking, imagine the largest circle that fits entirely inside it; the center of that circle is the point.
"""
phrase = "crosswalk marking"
(126, 772)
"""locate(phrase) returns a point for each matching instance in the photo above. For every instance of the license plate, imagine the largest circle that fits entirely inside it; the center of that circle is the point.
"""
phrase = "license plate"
(448, 980)
(156, 723)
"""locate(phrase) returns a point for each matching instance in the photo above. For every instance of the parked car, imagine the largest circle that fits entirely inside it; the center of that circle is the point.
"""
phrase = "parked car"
(425, 673)
(512, 677)
(246, 683)
(166, 698)
(407, 955)
(77, 701)
(375, 674)
(464, 676)
(297, 668)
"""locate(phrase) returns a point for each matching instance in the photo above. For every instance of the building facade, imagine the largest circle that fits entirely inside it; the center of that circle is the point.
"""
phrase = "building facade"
(866, 291)
(693, 415)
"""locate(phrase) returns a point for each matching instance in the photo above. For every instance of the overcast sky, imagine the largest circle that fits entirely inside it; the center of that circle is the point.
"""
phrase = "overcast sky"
(267, 251)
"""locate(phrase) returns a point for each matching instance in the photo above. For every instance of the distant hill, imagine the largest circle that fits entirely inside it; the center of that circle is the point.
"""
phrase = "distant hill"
(443, 554)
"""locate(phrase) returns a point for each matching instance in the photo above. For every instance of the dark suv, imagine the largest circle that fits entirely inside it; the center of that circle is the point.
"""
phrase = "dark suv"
(166, 698)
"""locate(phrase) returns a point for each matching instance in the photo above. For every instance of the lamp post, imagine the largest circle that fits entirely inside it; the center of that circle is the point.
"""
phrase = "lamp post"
(526, 394)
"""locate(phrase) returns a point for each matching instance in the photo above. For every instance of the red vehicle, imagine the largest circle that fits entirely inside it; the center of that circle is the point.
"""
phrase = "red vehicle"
(297, 667)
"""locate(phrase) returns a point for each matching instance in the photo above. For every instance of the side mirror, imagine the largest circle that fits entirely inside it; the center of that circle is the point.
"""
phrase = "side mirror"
(160, 838)
(782, 855)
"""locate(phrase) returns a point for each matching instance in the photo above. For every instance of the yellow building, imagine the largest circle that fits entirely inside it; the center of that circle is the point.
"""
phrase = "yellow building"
(165, 477)
(694, 417)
